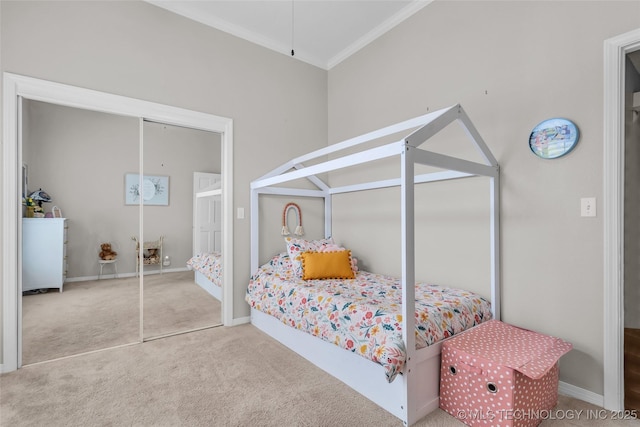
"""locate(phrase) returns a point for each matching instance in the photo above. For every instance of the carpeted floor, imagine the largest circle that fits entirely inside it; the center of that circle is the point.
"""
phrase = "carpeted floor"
(93, 315)
(225, 376)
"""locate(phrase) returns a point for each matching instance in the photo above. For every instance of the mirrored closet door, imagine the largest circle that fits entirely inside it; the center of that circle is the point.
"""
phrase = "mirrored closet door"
(82, 149)
(89, 164)
(180, 194)
(73, 301)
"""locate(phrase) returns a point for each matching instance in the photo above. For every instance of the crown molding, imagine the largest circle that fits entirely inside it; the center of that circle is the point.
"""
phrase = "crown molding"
(378, 31)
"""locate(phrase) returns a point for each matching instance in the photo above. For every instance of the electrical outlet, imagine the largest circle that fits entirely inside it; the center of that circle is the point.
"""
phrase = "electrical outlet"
(240, 213)
(588, 206)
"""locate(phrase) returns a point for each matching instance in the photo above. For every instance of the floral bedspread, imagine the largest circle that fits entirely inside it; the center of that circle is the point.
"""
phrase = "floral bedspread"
(209, 264)
(363, 315)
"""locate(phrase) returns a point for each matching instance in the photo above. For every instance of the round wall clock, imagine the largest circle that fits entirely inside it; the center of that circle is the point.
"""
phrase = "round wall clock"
(553, 138)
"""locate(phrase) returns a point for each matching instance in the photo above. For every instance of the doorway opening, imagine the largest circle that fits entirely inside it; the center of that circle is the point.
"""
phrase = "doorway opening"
(615, 59)
(632, 234)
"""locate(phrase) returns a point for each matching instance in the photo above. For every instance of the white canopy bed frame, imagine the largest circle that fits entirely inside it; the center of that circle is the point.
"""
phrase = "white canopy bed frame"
(415, 393)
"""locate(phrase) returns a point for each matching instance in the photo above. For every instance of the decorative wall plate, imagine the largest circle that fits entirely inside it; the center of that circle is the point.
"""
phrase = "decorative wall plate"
(553, 138)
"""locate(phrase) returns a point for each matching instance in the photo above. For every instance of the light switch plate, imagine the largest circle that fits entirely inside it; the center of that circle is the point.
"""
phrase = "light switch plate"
(588, 206)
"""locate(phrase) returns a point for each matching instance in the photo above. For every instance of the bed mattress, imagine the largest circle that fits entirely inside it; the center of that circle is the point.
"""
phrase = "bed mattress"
(363, 315)
(209, 264)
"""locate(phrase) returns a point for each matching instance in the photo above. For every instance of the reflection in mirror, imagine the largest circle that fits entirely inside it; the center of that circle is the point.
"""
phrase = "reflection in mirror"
(180, 229)
(80, 159)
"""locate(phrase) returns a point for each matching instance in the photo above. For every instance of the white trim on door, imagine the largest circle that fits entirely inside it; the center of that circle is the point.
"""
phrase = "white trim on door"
(213, 181)
(615, 51)
(16, 87)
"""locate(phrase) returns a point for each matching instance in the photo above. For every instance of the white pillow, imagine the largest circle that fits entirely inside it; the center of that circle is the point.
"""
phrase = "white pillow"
(295, 247)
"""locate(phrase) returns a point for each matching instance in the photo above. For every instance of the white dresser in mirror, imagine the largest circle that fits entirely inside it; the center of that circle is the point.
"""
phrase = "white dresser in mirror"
(44, 253)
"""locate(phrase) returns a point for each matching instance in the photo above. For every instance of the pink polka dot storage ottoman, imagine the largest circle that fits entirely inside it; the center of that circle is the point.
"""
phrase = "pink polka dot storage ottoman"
(500, 375)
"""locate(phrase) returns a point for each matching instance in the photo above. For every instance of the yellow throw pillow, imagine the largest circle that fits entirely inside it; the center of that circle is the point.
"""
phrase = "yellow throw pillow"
(327, 265)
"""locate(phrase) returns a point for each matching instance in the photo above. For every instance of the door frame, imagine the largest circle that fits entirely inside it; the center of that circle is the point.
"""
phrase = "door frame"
(615, 51)
(16, 88)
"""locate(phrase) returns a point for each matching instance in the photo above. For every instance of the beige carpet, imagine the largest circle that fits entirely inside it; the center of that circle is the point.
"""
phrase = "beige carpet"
(93, 315)
(226, 376)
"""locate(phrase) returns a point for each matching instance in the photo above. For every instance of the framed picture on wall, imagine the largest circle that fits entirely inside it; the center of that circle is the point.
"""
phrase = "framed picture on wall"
(151, 190)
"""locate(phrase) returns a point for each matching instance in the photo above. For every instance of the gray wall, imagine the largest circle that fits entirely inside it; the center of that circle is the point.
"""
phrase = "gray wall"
(511, 65)
(81, 157)
(141, 51)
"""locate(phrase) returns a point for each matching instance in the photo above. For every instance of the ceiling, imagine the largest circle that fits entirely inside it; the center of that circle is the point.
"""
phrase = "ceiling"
(320, 32)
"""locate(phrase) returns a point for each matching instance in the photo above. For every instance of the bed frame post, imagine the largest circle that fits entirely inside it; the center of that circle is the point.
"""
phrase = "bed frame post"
(495, 246)
(255, 244)
(328, 198)
(408, 282)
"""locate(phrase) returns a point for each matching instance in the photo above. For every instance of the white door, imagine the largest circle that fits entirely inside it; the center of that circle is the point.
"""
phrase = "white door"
(207, 211)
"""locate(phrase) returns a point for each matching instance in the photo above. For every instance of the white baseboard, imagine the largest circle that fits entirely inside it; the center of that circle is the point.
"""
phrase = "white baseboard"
(104, 276)
(240, 321)
(123, 275)
(580, 393)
